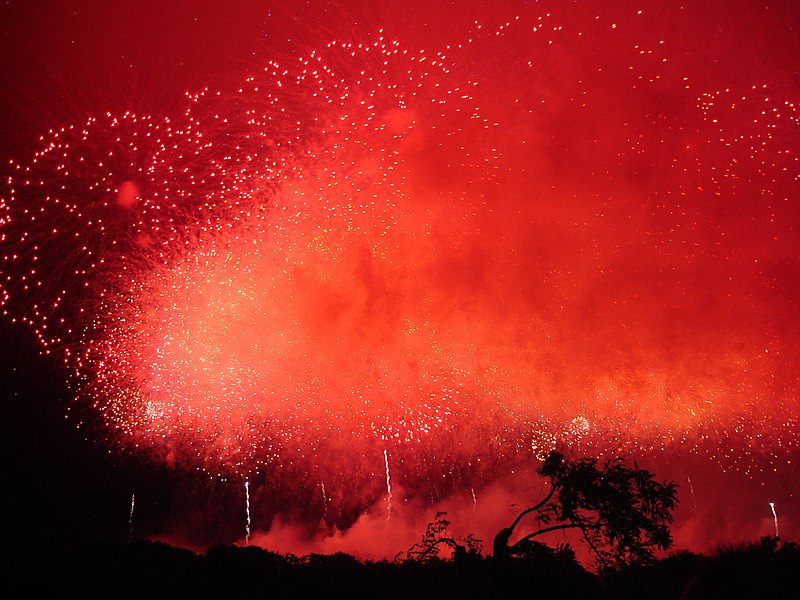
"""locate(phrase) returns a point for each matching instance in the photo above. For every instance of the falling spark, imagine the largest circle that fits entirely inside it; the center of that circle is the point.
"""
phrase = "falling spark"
(474, 501)
(247, 498)
(691, 489)
(775, 518)
(324, 501)
(130, 517)
(388, 486)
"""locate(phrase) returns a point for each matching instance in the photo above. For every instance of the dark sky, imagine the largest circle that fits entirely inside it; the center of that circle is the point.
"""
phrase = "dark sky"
(66, 60)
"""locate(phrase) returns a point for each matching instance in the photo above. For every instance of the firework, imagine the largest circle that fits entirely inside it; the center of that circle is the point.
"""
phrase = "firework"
(462, 256)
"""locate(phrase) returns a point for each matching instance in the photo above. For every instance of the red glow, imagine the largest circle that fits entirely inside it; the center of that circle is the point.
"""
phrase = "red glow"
(557, 230)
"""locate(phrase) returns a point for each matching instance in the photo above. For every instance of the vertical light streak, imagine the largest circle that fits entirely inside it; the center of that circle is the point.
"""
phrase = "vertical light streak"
(247, 500)
(691, 489)
(775, 518)
(388, 486)
(130, 517)
(324, 502)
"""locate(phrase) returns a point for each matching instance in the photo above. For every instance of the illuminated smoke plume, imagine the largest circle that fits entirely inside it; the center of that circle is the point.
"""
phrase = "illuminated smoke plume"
(557, 231)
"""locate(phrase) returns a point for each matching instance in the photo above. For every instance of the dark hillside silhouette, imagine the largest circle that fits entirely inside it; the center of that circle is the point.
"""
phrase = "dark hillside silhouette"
(766, 569)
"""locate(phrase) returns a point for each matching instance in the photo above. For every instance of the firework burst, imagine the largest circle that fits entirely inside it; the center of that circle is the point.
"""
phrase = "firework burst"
(458, 257)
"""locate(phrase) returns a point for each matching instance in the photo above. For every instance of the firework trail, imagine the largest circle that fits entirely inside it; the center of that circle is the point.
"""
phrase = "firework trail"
(247, 505)
(388, 486)
(691, 489)
(130, 517)
(775, 518)
(465, 255)
(324, 502)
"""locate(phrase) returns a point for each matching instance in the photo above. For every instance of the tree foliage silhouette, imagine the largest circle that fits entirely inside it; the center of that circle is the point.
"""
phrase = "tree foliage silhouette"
(437, 538)
(622, 512)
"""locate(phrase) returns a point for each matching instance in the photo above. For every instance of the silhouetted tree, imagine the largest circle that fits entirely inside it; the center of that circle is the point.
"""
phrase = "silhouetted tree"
(622, 512)
(436, 538)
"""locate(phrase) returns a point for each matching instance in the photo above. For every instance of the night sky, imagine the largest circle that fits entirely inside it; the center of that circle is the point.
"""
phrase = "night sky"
(376, 259)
